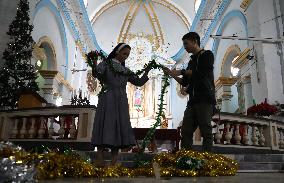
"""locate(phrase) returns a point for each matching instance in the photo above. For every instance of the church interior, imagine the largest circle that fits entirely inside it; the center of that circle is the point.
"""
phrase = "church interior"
(49, 97)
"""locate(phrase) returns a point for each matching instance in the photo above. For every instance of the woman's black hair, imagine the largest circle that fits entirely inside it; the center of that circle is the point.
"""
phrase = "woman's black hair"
(113, 52)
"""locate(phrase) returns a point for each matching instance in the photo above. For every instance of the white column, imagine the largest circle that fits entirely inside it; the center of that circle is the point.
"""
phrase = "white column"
(261, 136)
(23, 130)
(41, 131)
(223, 92)
(50, 86)
(31, 131)
(51, 129)
(254, 138)
(228, 135)
(61, 131)
(237, 134)
(72, 130)
(14, 131)
(245, 136)
(247, 91)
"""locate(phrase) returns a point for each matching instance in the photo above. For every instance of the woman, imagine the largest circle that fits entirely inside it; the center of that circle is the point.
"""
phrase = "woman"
(112, 127)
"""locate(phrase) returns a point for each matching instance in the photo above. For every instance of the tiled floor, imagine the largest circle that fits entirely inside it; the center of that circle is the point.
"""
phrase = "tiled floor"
(240, 178)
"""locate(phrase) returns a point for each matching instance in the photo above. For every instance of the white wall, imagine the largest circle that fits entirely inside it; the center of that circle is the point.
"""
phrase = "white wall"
(45, 25)
(269, 69)
(235, 25)
(272, 60)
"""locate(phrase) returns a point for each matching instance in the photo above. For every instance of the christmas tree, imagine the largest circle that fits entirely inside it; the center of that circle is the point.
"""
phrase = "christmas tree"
(18, 73)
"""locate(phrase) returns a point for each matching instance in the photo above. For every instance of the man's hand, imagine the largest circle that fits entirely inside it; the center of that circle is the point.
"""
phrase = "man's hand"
(175, 72)
(166, 70)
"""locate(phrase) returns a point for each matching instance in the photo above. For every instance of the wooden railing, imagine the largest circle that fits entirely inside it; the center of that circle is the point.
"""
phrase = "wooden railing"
(246, 131)
(76, 124)
(66, 122)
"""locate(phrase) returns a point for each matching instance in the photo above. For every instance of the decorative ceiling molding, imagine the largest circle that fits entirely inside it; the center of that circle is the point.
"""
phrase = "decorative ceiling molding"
(245, 4)
(207, 16)
(217, 10)
(148, 6)
(104, 7)
(132, 12)
(168, 4)
(75, 14)
(87, 28)
(175, 9)
(69, 13)
(155, 24)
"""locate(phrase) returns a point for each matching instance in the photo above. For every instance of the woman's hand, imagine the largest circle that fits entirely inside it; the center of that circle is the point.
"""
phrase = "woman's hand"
(167, 71)
(175, 72)
(147, 69)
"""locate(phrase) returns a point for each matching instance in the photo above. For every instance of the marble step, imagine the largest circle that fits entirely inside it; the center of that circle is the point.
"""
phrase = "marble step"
(261, 166)
(29, 144)
(247, 162)
(256, 157)
(238, 157)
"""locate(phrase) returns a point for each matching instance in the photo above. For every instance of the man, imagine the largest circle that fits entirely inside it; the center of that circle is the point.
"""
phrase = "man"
(199, 80)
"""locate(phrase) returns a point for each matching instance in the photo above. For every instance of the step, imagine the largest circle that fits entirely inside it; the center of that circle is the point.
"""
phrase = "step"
(247, 162)
(262, 166)
(29, 144)
(256, 157)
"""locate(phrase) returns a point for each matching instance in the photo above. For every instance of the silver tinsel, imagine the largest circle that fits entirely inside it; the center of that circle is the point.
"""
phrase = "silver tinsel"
(12, 170)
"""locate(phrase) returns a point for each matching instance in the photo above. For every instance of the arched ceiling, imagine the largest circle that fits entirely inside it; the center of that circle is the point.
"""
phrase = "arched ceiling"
(100, 24)
(163, 22)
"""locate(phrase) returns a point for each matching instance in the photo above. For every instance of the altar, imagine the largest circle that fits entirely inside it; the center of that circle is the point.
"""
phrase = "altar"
(143, 100)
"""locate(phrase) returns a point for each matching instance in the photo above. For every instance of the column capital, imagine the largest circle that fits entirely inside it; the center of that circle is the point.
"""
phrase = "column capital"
(225, 81)
(48, 74)
(246, 79)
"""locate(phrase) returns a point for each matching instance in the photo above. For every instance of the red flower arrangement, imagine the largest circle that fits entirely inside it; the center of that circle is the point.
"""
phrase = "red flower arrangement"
(263, 109)
(93, 56)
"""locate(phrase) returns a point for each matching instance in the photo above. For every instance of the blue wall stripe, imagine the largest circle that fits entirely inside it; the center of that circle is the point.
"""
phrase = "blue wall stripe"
(88, 24)
(214, 23)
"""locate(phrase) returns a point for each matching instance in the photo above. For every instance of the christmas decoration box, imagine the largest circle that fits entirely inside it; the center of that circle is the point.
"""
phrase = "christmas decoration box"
(30, 99)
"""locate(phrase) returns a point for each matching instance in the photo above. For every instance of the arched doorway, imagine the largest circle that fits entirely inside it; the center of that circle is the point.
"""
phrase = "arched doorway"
(231, 97)
(45, 55)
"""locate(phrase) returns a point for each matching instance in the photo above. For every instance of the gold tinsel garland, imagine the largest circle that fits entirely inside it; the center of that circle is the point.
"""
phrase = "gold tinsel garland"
(50, 165)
